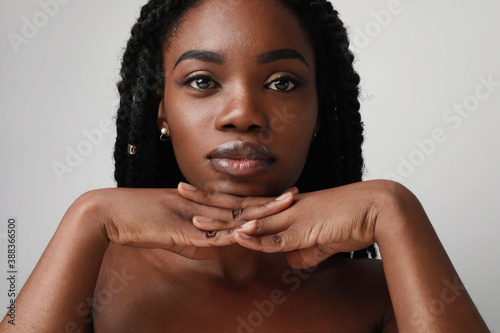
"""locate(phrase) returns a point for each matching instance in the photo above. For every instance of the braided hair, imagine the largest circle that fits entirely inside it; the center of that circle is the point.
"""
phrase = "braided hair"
(335, 157)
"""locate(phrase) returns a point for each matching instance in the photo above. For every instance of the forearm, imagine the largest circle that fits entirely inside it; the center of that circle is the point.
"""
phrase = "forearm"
(425, 289)
(57, 295)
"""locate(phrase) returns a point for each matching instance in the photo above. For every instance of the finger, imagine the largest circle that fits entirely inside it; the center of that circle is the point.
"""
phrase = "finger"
(183, 235)
(294, 190)
(228, 218)
(238, 208)
(226, 237)
(208, 224)
(273, 224)
(247, 228)
(262, 210)
(220, 200)
(309, 257)
(211, 238)
(268, 244)
(193, 252)
(259, 227)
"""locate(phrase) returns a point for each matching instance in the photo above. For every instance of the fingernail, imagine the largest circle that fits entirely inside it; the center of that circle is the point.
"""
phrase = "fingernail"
(242, 235)
(188, 187)
(283, 196)
(202, 219)
(294, 190)
(247, 226)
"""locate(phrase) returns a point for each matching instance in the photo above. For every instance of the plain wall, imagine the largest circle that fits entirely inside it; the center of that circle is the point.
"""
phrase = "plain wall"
(420, 62)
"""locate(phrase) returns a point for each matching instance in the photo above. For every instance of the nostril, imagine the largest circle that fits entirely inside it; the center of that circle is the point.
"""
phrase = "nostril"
(229, 126)
(253, 127)
(241, 117)
(249, 128)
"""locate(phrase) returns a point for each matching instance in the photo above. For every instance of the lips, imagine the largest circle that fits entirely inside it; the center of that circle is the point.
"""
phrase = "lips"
(238, 158)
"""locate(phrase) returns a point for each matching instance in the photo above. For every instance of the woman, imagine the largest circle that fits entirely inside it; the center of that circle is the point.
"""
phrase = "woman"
(255, 101)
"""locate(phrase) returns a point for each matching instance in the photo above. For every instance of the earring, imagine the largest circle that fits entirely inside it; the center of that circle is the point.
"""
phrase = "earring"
(164, 135)
(132, 150)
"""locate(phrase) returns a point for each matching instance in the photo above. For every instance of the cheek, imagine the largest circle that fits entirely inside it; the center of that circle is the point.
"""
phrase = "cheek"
(302, 120)
(187, 130)
(183, 116)
(188, 119)
(295, 127)
(191, 124)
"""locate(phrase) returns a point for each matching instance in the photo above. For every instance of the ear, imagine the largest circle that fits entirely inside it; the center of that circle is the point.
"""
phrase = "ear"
(162, 117)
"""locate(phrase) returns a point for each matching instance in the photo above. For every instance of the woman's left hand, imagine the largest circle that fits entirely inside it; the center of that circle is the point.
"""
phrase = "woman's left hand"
(317, 225)
(348, 218)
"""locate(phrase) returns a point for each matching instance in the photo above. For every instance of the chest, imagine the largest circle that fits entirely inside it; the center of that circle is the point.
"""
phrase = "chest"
(297, 306)
(133, 296)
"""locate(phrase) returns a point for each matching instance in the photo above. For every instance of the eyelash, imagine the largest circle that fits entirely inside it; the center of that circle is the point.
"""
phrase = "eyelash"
(296, 83)
(199, 76)
(202, 76)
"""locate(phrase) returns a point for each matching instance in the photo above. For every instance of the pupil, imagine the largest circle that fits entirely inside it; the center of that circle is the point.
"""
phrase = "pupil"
(282, 85)
(203, 83)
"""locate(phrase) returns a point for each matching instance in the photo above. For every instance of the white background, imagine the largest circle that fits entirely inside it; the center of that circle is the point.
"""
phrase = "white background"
(415, 64)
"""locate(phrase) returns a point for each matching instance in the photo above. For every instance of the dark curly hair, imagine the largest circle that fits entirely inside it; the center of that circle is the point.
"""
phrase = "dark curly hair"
(335, 157)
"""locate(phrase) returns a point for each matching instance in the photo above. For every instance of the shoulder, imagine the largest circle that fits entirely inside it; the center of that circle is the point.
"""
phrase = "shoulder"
(365, 283)
(356, 273)
(129, 279)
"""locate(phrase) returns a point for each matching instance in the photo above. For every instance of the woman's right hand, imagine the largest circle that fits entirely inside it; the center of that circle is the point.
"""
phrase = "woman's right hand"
(163, 219)
(145, 218)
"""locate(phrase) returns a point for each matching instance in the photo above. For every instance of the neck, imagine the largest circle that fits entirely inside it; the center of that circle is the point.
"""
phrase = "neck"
(239, 265)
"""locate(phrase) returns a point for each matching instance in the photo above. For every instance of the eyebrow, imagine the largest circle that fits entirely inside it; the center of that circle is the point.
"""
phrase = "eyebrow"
(205, 56)
(265, 58)
(281, 54)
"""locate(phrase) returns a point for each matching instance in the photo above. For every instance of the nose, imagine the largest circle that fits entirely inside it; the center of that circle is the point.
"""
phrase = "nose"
(242, 113)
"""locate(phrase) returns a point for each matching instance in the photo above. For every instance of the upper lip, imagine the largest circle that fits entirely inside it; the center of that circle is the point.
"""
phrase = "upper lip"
(241, 150)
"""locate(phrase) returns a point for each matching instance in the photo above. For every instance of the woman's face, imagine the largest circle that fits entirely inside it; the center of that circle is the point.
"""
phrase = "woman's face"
(240, 97)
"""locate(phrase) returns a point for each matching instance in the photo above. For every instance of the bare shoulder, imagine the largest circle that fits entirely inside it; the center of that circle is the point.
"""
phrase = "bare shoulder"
(365, 281)
(360, 274)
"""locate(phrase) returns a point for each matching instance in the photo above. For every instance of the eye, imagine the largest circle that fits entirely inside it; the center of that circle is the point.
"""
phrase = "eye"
(201, 81)
(282, 83)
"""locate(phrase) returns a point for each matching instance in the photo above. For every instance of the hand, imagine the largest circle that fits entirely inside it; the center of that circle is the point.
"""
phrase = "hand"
(162, 218)
(317, 225)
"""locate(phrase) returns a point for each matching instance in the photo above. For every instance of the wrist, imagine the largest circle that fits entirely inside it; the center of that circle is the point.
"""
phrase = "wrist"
(392, 205)
(89, 215)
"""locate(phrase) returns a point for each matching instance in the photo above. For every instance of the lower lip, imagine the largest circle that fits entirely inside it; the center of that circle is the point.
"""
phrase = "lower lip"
(241, 167)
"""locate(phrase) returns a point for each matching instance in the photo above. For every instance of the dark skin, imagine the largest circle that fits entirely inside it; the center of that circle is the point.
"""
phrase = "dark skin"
(200, 257)
(234, 101)
(189, 297)
(242, 95)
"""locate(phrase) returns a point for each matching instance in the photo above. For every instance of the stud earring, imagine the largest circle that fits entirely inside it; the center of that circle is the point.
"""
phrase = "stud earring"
(132, 150)
(164, 135)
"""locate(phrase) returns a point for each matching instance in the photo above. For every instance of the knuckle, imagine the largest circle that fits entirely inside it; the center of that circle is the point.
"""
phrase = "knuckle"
(277, 240)
(211, 234)
(266, 204)
(209, 195)
(224, 223)
(220, 238)
(258, 229)
(240, 200)
(237, 213)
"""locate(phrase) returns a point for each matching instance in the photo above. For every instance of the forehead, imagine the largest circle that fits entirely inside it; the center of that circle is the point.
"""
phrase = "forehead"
(239, 28)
